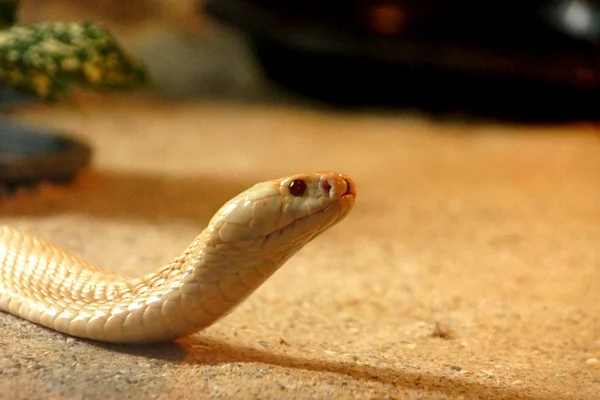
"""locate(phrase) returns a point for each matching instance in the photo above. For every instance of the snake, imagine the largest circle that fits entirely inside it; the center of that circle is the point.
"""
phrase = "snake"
(247, 240)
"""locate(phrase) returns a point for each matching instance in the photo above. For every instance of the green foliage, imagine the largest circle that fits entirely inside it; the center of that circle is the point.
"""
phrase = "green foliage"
(44, 58)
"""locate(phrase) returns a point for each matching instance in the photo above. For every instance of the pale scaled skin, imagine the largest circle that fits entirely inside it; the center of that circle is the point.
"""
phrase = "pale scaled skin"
(245, 242)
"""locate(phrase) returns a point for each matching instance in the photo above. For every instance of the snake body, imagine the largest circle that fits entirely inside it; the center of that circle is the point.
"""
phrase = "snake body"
(245, 242)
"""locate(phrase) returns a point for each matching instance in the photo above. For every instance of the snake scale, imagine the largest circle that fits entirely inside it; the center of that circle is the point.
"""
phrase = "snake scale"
(245, 242)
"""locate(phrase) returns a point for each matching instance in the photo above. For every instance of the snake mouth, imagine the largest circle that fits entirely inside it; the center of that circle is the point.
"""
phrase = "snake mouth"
(343, 204)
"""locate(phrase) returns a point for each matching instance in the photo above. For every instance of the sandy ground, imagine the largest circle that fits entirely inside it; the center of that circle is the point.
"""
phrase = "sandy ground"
(469, 267)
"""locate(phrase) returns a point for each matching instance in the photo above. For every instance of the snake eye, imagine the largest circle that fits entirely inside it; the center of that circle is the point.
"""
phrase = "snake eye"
(297, 187)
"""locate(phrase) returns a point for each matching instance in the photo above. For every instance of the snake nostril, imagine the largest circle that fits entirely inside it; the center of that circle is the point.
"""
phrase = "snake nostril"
(326, 187)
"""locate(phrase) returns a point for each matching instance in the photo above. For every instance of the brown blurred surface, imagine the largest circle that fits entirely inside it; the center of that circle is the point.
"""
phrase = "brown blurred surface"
(113, 12)
(468, 269)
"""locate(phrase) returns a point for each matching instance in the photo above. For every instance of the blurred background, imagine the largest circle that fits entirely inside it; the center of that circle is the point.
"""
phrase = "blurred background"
(513, 60)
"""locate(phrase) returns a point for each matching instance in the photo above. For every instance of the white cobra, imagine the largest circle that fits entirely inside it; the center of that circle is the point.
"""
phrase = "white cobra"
(245, 242)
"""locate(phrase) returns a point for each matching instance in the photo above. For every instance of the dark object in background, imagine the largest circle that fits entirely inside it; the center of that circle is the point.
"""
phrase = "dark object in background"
(30, 155)
(535, 59)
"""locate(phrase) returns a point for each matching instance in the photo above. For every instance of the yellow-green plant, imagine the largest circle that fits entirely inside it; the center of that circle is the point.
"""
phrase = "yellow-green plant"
(44, 58)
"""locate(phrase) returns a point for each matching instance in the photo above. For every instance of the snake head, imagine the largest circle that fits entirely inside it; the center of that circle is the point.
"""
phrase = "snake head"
(286, 212)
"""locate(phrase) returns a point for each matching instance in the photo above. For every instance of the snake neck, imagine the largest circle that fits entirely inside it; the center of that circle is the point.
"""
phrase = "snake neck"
(202, 285)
